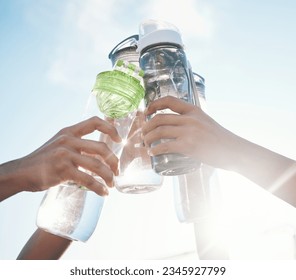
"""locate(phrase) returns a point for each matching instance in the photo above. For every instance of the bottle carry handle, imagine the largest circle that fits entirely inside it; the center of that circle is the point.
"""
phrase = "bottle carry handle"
(120, 44)
(193, 86)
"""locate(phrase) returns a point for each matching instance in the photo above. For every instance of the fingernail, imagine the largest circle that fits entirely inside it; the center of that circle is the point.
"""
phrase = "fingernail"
(106, 191)
(149, 152)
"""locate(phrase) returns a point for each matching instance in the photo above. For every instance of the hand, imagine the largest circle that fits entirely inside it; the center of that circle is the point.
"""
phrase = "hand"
(60, 160)
(195, 134)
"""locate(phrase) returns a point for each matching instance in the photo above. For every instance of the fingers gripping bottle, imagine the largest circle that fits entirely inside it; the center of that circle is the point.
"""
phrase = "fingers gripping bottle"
(70, 210)
(118, 94)
(166, 73)
(136, 175)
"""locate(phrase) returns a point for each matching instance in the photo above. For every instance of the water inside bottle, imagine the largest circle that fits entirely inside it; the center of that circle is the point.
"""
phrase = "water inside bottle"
(145, 178)
(166, 74)
(70, 211)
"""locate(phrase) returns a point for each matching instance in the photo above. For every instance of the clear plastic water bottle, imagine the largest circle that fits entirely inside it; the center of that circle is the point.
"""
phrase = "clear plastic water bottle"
(195, 193)
(199, 82)
(166, 72)
(197, 197)
(191, 194)
(190, 197)
(135, 171)
(70, 211)
(126, 50)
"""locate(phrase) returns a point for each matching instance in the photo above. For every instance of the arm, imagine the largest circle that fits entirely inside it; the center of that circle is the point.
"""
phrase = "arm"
(59, 159)
(199, 136)
(44, 246)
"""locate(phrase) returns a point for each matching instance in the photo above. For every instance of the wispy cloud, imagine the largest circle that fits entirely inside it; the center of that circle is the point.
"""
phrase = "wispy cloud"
(91, 28)
(193, 18)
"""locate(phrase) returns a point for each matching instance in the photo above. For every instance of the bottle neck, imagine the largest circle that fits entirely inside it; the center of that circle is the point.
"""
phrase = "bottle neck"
(128, 54)
(161, 45)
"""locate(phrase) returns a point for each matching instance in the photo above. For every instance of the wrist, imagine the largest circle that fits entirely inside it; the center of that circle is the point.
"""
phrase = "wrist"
(228, 153)
(12, 179)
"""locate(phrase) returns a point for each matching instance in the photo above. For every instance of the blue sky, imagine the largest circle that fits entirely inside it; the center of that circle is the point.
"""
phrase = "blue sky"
(51, 51)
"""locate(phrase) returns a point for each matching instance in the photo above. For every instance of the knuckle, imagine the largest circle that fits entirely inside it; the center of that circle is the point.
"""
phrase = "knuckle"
(165, 148)
(89, 181)
(103, 147)
(106, 174)
(168, 98)
(194, 109)
(159, 131)
(61, 153)
(65, 131)
(63, 139)
(61, 162)
(95, 119)
(158, 117)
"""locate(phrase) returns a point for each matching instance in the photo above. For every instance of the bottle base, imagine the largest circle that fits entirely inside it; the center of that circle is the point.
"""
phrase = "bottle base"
(137, 189)
(174, 164)
(138, 181)
(70, 212)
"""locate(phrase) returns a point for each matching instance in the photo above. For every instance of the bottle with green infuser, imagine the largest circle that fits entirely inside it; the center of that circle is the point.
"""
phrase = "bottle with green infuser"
(120, 91)
(68, 209)
(136, 175)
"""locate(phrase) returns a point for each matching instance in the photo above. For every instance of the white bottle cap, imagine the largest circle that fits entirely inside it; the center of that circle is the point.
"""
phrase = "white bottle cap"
(153, 32)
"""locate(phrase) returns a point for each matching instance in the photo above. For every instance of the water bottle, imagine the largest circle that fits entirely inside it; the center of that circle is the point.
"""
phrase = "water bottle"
(126, 50)
(166, 72)
(191, 195)
(119, 91)
(135, 171)
(199, 82)
(70, 211)
(197, 197)
(195, 192)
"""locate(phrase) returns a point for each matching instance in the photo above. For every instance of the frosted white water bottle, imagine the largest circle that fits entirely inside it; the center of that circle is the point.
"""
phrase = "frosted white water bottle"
(136, 175)
(166, 73)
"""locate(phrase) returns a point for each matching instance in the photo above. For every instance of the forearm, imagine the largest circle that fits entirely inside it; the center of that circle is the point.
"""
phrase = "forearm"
(272, 171)
(44, 246)
(12, 179)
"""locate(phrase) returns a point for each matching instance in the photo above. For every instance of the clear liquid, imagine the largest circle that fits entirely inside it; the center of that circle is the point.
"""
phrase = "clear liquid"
(70, 211)
(191, 197)
(138, 178)
(173, 164)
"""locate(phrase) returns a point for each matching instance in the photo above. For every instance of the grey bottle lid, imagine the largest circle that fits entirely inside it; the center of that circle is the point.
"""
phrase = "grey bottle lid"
(153, 32)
